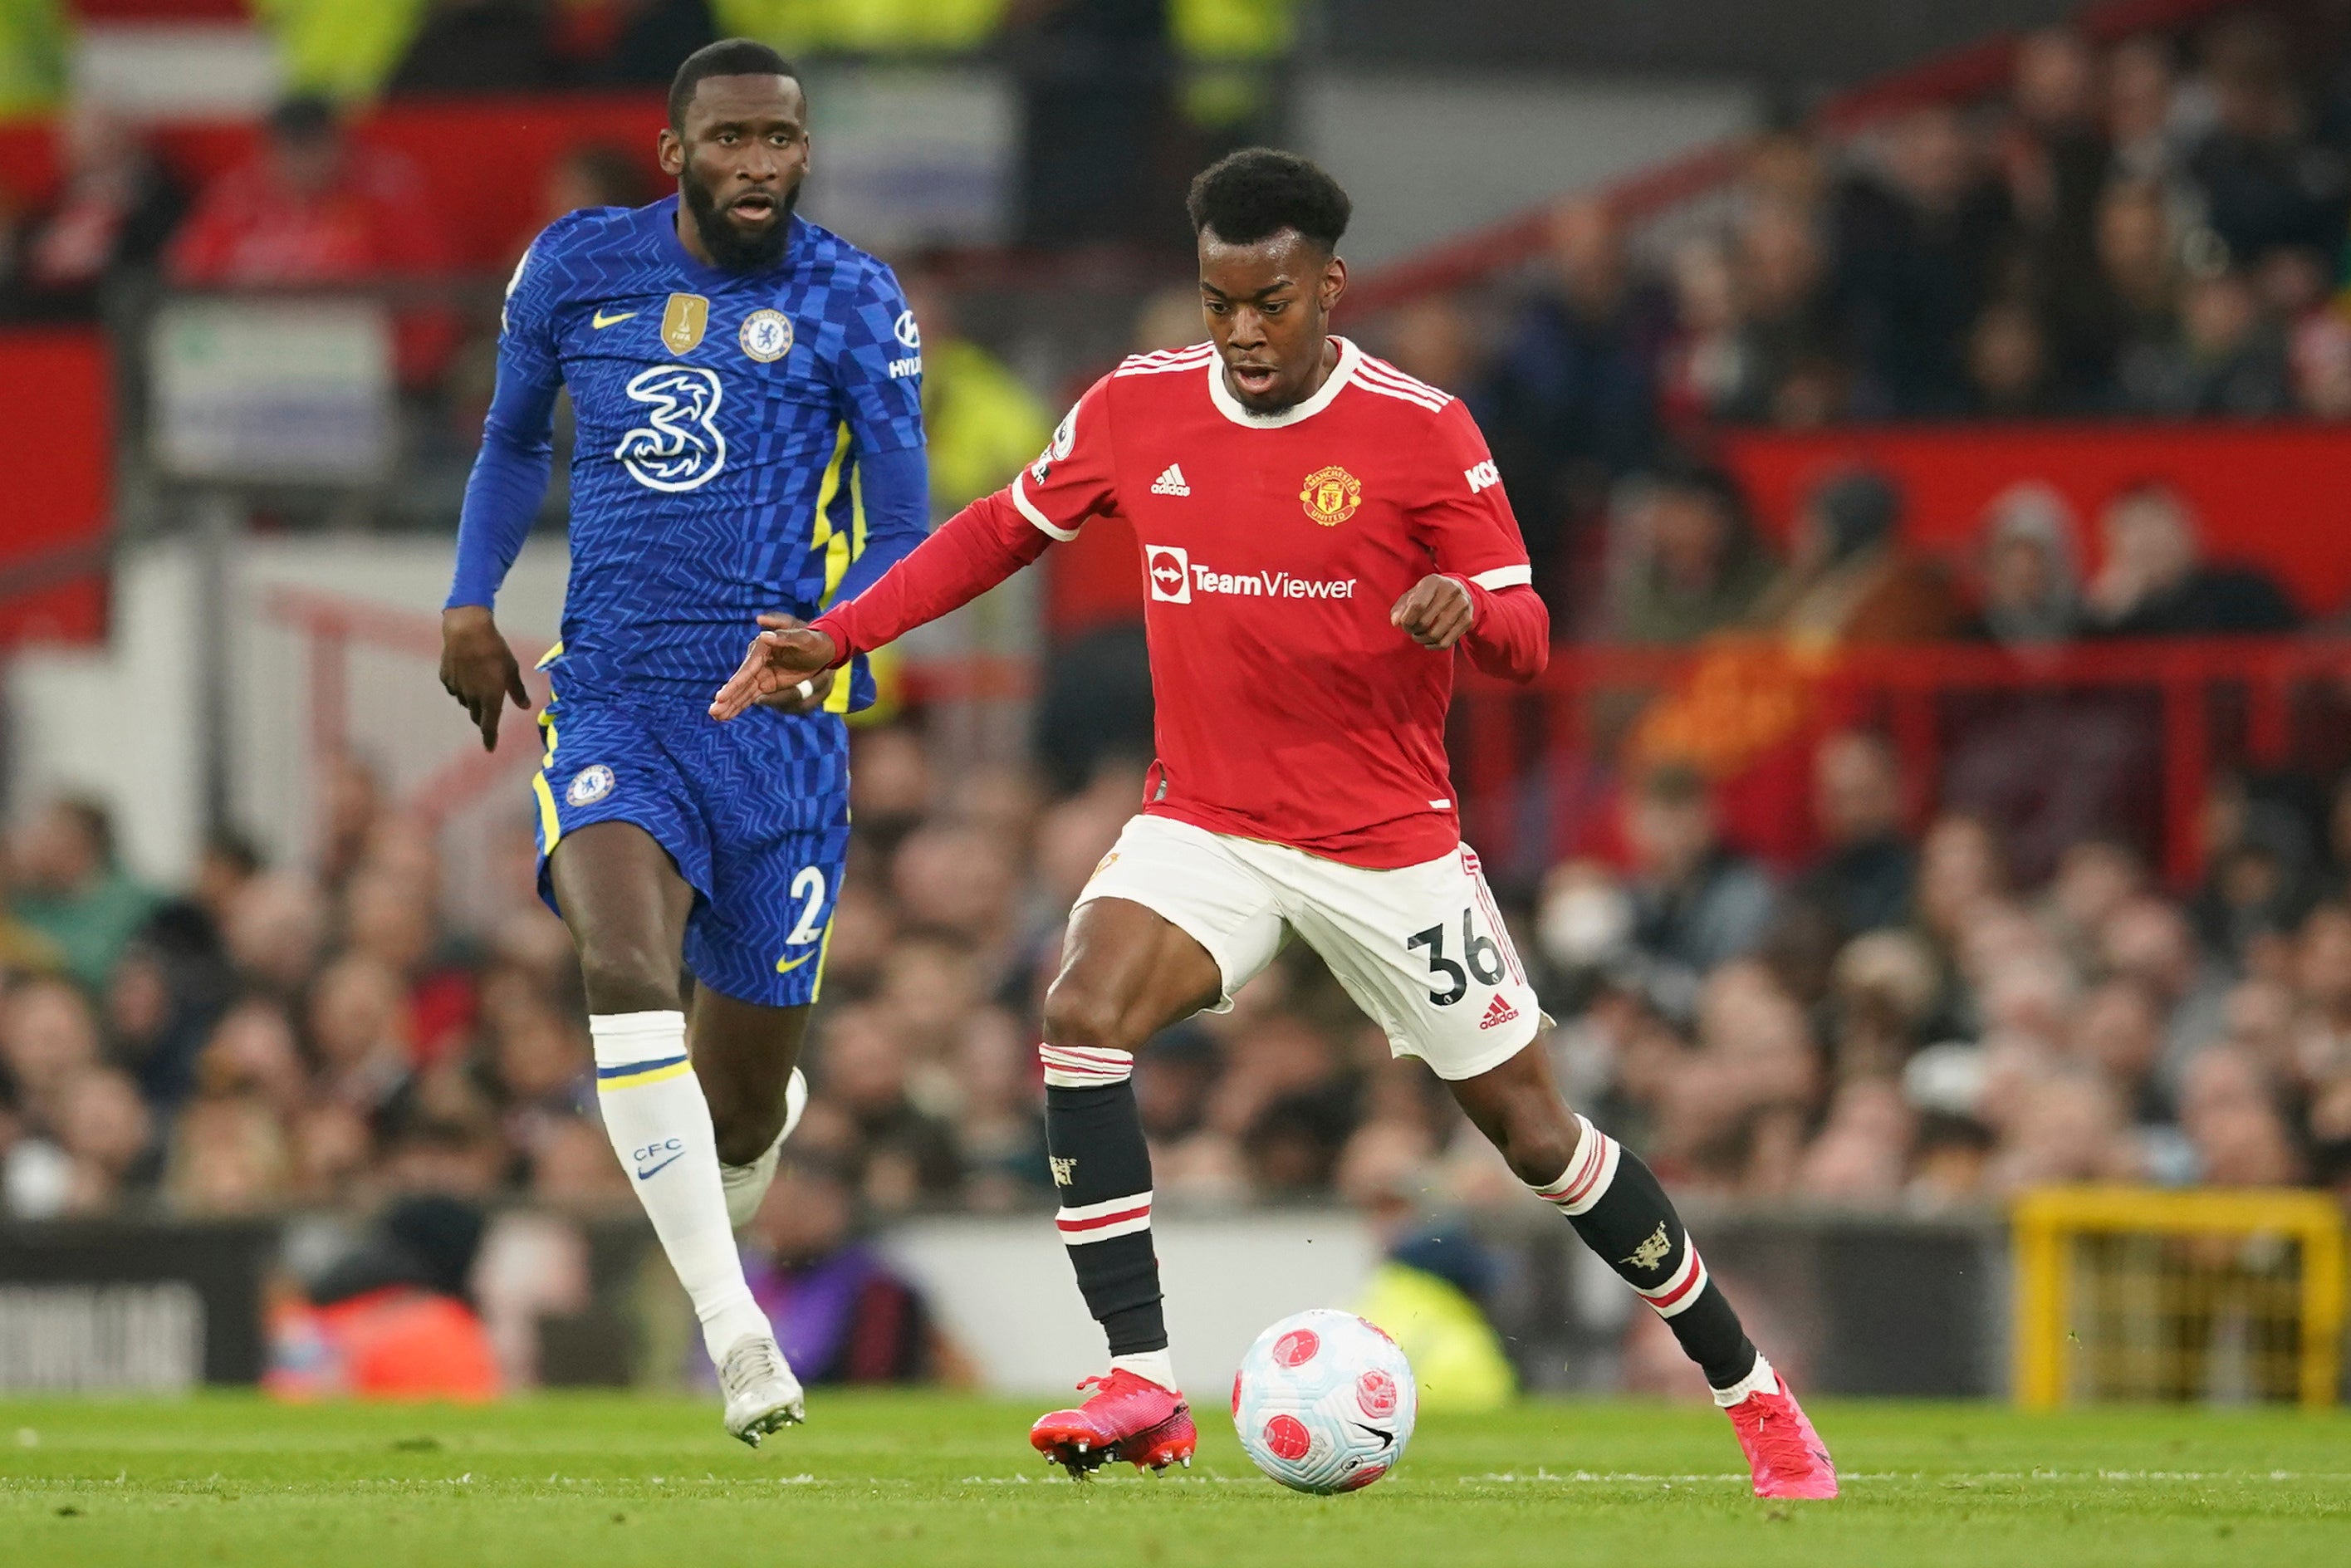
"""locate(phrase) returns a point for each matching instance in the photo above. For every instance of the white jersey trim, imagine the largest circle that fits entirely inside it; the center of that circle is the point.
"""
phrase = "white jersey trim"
(1165, 360)
(1379, 376)
(1029, 510)
(1231, 407)
(1505, 576)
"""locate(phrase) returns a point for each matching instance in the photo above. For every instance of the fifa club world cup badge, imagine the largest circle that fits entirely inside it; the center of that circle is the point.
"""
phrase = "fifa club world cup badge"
(683, 324)
(767, 336)
(1331, 496)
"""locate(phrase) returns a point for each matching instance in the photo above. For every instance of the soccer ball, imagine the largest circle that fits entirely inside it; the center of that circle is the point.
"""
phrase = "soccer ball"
(1324, 1402)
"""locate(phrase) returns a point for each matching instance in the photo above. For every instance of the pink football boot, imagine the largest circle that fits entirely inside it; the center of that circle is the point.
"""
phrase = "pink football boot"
(1786, 1456)
(1128, 1417)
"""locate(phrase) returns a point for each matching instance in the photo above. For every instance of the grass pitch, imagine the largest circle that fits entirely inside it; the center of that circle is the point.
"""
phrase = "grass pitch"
(580, 1482)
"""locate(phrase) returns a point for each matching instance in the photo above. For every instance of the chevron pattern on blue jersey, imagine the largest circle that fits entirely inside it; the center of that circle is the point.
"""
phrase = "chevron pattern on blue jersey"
(716, 483)
(754, 811)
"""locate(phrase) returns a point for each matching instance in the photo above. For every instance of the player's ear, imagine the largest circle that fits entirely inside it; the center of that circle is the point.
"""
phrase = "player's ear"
(671, 151)
(1334, 283)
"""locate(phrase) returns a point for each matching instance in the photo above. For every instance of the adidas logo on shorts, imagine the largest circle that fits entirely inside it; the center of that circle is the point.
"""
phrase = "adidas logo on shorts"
(1498, 1011)
(1171, 483)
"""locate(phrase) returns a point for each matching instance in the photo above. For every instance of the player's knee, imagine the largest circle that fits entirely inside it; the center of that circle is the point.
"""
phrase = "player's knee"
(1538, 1142)
(1077, 1017)
(627, 978)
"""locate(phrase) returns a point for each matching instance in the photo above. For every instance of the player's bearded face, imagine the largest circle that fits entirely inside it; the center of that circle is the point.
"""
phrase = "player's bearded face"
(744, 231)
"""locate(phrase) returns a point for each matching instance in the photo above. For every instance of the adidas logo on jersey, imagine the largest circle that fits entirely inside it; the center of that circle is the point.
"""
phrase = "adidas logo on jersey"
(1171, 483)
(1497, 1012)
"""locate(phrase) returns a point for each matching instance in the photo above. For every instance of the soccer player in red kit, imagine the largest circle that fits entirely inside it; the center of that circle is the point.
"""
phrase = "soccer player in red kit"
(1319, 531)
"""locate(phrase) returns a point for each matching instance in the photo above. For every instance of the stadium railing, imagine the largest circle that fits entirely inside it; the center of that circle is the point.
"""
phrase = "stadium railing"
(2132, 1293)
(1731, 707)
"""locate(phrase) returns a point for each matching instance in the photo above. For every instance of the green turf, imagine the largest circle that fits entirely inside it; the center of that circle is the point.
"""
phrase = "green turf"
(584, 1482)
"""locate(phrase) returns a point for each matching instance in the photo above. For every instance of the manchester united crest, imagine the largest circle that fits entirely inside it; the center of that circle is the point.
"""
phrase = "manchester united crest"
(1331, 496)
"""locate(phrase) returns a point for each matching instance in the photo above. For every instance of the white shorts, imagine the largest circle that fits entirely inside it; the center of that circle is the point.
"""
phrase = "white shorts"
(1421, 948)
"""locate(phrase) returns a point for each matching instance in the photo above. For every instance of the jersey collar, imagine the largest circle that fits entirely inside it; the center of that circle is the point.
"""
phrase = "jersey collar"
(1232, 408)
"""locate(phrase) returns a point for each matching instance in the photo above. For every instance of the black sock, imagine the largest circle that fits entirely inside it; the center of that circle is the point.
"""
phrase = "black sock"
(1101, 1173)
(1617, 1205)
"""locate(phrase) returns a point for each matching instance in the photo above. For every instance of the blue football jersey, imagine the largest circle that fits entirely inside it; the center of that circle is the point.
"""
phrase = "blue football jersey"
(721, 418)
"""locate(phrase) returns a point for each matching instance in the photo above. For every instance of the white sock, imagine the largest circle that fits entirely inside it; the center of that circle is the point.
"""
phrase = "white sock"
(1158, 1365)
(660, 1127)
(1762, 1380)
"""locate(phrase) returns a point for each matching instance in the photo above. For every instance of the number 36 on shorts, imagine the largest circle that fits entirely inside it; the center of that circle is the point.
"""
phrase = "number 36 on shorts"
(1448, 980)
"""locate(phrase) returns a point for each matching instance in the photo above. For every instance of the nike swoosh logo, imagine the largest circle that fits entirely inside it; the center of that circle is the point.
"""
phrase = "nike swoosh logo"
(604, 320)
(1386, 1437)
(786, 966)
(654, 1171)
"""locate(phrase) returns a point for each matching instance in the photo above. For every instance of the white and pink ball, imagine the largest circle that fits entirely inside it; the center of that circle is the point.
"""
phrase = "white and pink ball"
(1324, 1402)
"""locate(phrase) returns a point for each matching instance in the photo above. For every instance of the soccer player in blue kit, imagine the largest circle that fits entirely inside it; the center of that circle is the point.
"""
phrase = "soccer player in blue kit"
(746, 388)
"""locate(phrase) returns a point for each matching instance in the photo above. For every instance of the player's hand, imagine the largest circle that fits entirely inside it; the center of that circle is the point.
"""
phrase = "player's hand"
(778, 663)
(808, 695)
(1436, 614)
(478, 669)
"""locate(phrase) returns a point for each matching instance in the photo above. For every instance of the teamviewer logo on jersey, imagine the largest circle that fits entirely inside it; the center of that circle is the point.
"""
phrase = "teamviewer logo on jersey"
(1171, 574)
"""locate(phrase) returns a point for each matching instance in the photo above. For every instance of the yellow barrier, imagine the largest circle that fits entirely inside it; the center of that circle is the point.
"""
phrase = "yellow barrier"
(2135, 1292)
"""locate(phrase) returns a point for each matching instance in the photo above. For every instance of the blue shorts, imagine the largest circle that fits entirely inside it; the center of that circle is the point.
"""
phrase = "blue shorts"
(754, 811)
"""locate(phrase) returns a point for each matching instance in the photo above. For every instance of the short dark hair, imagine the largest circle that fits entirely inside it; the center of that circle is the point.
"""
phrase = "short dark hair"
(727, 58)
(1258, 192)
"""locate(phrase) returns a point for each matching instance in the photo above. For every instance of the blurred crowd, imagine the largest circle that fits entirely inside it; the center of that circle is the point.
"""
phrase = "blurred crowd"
(1897, 1021)
(2153, 229)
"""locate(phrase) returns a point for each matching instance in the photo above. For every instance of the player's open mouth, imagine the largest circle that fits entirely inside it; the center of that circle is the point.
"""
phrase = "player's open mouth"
(1253, 378)
(757, 209)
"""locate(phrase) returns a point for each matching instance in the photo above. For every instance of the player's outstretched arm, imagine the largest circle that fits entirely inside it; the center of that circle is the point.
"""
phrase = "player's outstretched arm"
(479, 669)
(781, 661)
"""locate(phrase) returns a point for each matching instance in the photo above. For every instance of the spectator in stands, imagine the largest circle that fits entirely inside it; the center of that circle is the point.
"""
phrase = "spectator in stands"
(1924, 242)
(2009, 373)
(1689, 561)
(2130, 308)
(2055, 157)
(630, 43)
(2144, 125)
(2154, 582)
(841, 1313)
(1793, 367)
(2225, 356)
(1696, 904)
(2032, 586)
(312, 208)
(1573, 404)
(2264, 184)
(1863, 877)
(117, 207)
(71, 888)
(1849, 579)
(478, 46)
(1095, 79)
(899, 1153)
(393, 1318)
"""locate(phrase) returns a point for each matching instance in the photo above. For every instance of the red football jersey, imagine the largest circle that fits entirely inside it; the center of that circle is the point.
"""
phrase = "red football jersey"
(1273, 547)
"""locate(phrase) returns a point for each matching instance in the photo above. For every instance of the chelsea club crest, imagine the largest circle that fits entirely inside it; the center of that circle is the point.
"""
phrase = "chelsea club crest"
(590, 785)
(767, 336)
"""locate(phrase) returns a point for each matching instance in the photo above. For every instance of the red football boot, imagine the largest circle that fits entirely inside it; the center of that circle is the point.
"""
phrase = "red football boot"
(1785, 1456)
(1128, 1417)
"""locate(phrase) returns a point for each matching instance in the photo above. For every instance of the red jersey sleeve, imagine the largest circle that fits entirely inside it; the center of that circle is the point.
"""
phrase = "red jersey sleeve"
(1467, 525)
(1074, 477)
(1464, 517)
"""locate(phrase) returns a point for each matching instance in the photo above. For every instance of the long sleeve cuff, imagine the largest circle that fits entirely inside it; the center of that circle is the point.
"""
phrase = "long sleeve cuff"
(1509, 632)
